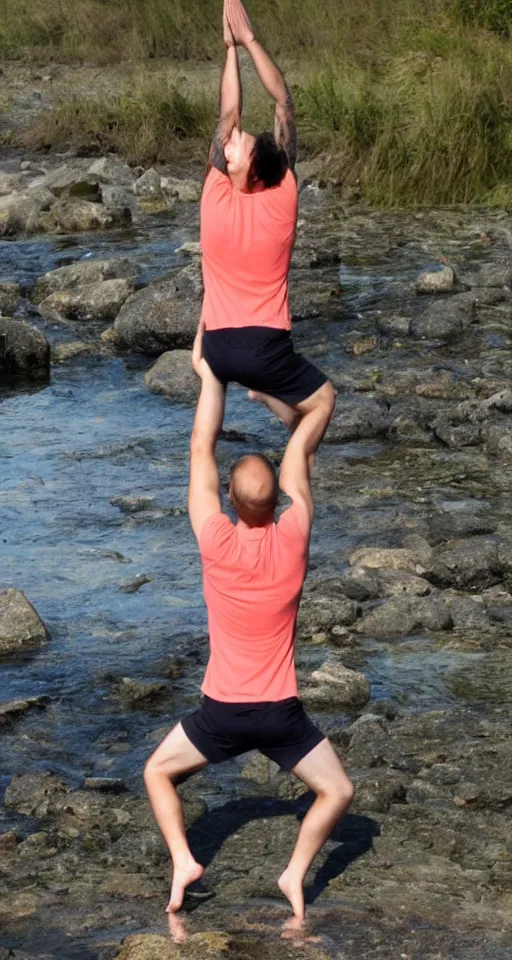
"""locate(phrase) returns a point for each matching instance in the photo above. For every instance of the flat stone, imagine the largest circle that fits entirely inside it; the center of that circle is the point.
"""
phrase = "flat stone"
(83, 273)
(14, 709)
(99, 302)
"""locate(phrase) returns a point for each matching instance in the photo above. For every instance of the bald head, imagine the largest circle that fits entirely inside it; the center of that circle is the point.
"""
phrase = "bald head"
(253, 490)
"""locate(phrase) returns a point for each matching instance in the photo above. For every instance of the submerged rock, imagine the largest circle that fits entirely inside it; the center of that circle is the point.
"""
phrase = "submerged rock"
(24, 350)
(34, 794)
(174, 377)
(20, 624)
(156, 319)
(14, 709)
(97, 301)
(376, 557)
(152, 946)
(445, 320)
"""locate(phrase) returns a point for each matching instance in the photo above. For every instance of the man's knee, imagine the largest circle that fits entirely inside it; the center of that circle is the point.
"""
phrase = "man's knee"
(327, 398)
(340, 792)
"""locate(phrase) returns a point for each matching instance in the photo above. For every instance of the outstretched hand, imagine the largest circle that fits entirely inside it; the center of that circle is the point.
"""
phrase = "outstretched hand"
(239, 23)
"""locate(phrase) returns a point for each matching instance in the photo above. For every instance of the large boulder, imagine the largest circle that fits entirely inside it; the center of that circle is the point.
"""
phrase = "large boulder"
(403, 616)
(10, 296)
(357, 420)
(173, 376)
(24, 350)
(20, 625)
(82, 273)
(156, 319)
(97, 301)
(81, 216)
(21, 212)
(186, 191)
(443, 320)
(470, 563)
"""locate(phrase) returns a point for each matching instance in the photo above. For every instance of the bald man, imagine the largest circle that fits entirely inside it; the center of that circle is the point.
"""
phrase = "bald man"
(253, 573)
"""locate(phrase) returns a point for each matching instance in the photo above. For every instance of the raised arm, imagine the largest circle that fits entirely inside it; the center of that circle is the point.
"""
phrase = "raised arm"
(203, 492)
(230, 112)
(270, 76)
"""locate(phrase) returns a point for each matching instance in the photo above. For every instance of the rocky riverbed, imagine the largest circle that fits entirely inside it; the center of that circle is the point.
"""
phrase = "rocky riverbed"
(405, 632)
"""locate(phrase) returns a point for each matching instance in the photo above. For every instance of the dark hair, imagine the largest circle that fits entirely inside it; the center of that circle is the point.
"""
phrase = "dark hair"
(269, 162)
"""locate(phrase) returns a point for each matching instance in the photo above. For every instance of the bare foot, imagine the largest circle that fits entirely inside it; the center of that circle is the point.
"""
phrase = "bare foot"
(291, 885)
(182, 876)
(279, 408)
(296, 930)
(177, 928)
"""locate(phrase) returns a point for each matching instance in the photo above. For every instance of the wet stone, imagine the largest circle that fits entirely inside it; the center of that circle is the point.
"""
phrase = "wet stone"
(83, 273)
(10, 297)
(357, 420)
(105, 784)
(387, 558)
(15, 709)
(100, 302)
(156, 319)
(140, 693)
(24, 350)
(173, 377)
(20, 625)
(439, 278)
(468, 563)
(34, 794)
(334, 684)
(444, 320)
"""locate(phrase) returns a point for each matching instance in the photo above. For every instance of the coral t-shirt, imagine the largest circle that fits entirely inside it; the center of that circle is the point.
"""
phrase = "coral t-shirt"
(253, 579)
(247, 241)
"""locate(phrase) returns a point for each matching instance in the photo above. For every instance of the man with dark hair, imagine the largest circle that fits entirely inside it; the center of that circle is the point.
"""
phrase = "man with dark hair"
(253, 575)
(248, 223)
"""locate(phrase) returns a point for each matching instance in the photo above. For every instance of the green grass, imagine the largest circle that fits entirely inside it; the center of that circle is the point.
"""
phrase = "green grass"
(413, 101)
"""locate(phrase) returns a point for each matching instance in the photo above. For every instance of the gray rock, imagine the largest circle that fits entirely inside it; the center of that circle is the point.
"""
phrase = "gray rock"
(34, 794)
(324, 613)
(15, 709)
(110, 170)
(404, 616)
(156, 319)
(394, 325)
(464, 564)
(439, 278)
(105, 784)
(69, 216)
(173, 376)
(24, 350)
(67, 351)
(335, 685)
(83, 273)
(133, 504)
(450, 525)
(468, 613)
(445, 320)
(384, 557)
(357, 420)
(501, 401)
(379, 792)
(498, 441)
(140, 693)
(455, 434)
(21, 212)
(10, 183)
(186, 191)
(493, 275)
(10, 297)
(20, 624)
(189, 281)
(260, 769)
(98, 301)
(71, 180)
(148, 186)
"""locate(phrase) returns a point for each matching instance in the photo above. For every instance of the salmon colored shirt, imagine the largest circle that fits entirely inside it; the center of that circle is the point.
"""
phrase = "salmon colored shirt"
(247, 241)
(253, 579)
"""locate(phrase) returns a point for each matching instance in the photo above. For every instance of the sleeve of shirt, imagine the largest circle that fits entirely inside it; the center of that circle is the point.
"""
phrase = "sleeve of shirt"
(295, 525)
(216, 536)
(216, 185)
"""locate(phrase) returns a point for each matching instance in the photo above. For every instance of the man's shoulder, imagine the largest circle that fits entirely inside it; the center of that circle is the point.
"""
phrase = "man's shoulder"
(294, 525)
(215, 535)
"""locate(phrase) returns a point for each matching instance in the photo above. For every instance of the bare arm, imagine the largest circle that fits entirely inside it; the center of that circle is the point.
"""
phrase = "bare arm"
(203, 493)
(276, 86)
(294, 476)
(230, 112)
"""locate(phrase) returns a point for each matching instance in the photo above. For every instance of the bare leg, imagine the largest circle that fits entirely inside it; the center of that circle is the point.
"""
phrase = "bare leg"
(322, 772)
(174, 757)
(279, 408)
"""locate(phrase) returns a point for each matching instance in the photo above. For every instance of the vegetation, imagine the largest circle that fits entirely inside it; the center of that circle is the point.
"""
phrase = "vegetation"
(413, 101)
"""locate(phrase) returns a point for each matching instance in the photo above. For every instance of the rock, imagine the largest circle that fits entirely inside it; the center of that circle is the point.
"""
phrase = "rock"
(105, 784)
(36, 846)
(82, 216)
(84, 805)
(493, 275)
(186, 191)
(139, 693)
(97, 301)
(151, 946)
(24, 350)
(21, 212)
(439, 278)
(448, 525)
(20, 625)
(365, 345)
(83, 273)
(470, 563)
(455, 434)
(324, 613)
(156, 319)
(132, 504)
(498, 441)
(377, 793)
(72, 180)
(468, 613)
(336, 685)
(357, 420)
(34, 794)
(404, 616)
(445, 320)
(193, 247)
(66, 351)
(394, 325)
(173, 376)
(8, 848)
(376, 557)
(9, 183)
(133, 586)
(501, 401)
(260, 769)
(110, 170)
(10, 297)
(148, 186)
(189, 281)
(14, 709)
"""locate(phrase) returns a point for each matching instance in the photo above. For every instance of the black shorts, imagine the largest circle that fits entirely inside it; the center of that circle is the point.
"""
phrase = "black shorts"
(261, 359)
(281, 730)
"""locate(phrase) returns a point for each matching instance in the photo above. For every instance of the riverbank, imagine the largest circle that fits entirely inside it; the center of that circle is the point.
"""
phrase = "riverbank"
(404, 107)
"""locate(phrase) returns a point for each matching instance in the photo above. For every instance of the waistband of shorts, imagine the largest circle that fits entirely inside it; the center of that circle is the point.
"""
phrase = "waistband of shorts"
(247, 704)
(236, 337)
